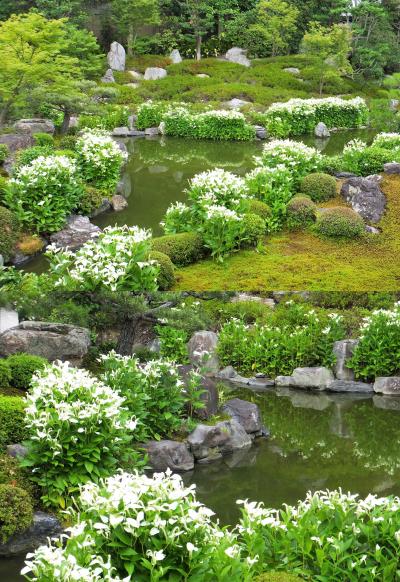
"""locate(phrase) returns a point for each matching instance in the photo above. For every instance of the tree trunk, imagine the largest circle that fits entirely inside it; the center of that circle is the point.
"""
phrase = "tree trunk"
(65, 124)
(129, 42)
(220, 25)
(4, 113)
(198, 47)
(127, 336)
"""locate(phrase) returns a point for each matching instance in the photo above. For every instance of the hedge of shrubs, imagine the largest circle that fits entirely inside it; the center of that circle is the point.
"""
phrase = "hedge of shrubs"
(340, 222)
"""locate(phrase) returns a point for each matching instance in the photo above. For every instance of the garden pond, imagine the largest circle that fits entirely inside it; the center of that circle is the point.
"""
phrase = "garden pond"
(318, 441)
(159, 168)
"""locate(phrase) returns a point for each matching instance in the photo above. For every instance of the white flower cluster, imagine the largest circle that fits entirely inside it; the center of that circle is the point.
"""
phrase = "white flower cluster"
(221, 114)
(287, 150)
(311, 106)
(106, 260)
(218, 187)
(61, 394)
(96, 146)
(46, 172)
(221, 213)
(387, 140)
(354, 146)
(386, 317)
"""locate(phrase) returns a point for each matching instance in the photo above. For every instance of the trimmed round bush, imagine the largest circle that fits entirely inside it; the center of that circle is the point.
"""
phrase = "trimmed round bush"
(254, 228)
(5, 374)
(183, 248)
(340, 223)
(16, 511)
(166, 277)
(301, 212)
(23, 367)
(9, 231)
(319, 187)
(91, 199)
(68, 142)
(11, 473)
(44, 139)
(12, 420)
(260, 209)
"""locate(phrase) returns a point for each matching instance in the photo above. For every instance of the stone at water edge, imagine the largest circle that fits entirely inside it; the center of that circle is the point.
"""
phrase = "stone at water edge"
(118, 203)
(155, 73)
(152, 131)
(365, 197)
(120, 132)
(350, 386)
(239, 56)
(317, 378)
(322, 131)
(202, 348)
(261, 132)
(246, 414)
(392, 168)
(208, 443)
(43, 527)
(168, 454)
(108, 77)
(116, 58)
(389, 385)
(76, 233)
(343, 350)
(175, 57)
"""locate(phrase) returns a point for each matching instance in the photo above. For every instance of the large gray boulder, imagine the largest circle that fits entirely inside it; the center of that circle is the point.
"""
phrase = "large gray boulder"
(389, 386)
(32, 126)
(167, 454)
(208, 443)
(322, 131)
(343, 351)
(202, 348)
(317, 378)
(365, 197)
(77, 232)
(154, 73)
(238, 55)
(392, 168)
(209, 396)
(292, 70)
(350, 386)
(44, 526)
(54, 341)
(116, 58)
(175, 57)
(17, 141)
(245, 413)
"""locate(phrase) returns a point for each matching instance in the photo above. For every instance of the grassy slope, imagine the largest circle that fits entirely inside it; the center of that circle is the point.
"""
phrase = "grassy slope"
(300, 260)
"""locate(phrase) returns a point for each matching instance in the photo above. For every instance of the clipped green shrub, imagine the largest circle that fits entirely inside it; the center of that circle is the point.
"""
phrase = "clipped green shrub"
(301, 212)
(166, 277)
(340, 222)
(254, 229)
(183, 248)
(23, 367)
(16, 511)
(319, 187)
(3, 153)
(260, 209)
(68, 142)
(5, 374)
(11, 473)
(25, 157)
(91, 199)
(12, 427)
(44, 139)
(9, 231)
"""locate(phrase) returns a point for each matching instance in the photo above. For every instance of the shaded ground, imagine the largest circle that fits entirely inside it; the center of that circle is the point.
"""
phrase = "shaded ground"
(301, 260)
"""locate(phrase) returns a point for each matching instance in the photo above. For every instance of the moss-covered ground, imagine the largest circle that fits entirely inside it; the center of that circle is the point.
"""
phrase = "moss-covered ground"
(301, 260)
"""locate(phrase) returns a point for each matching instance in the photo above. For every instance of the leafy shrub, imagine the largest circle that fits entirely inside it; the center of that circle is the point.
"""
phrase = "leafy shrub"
(216, 125)
(3, 153)
(100, 159)
(183, 248)
(300, 159)
(277, 577)
(278, 350)
(3, 186)
(319, 187)
(340, 222)
(151, 114)
(301, 212)
(5, 374)
(260, 209)
(132, 526)
(11, 473)
(44, 139)
(12, 427)
(173, 344)
(28, 155)
(109, 118)
(43, 193)
(308, 537)
(376, 353)
(91, 199)
(77, 427)
(16, 511)
(222, 230)
(166, 276)
(254, 229)
(388, 141)
(364, 161)
(125, 249)
(23, 367)
(9, 231)
(68, 142)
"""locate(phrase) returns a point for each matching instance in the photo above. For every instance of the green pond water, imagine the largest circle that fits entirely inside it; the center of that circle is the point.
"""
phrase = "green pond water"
(318, 441)
(159, 169)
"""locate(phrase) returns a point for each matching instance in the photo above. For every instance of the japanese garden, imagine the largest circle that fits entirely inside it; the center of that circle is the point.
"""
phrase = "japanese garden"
(199, 290)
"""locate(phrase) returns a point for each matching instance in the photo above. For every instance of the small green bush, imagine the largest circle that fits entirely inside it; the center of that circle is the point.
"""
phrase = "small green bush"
(183, 248)
(301, 212)
(319, 187)
(23, 367)
(340, 222)
(25, 157)
(12, 416)
(166, 277)
(3, 153)
(9, 231)
(260, 209)
(3, 185)
(68, 142)
(91, 199)
(254, 229)
(11, 473)
(44, 139)
(16, 511)
(5, 374)
(108, 118)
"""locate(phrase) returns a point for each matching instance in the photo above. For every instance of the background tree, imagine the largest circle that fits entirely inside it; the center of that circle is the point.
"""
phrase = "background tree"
(329, 49)
(33, 53)
(276, 25)
(130, 15)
